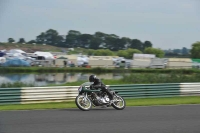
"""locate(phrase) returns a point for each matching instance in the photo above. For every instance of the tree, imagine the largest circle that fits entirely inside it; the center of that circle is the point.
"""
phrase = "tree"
(177, 51)
(136, 44)
(103, 52)
(111, 42)
(184, 51)
(31, 42)
(95, 42)
(85, 39)
(41, 39)
(114, 44)
(147, 44)
(21, 40)
(158, 52)
(11, 40)
(100, 35)
(74, 32)
(114, 36)
(195, 51)
(119, 44)
(128, 53)
(91, 52)
(61, 41)
(132, 51)
(72, 39)
(127, 42)
(52, 37)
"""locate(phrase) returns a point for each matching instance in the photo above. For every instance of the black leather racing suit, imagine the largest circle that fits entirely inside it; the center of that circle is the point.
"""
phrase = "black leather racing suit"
(98, 84)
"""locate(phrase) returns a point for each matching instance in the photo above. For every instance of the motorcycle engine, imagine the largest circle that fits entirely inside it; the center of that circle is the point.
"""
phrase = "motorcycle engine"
(100, 99)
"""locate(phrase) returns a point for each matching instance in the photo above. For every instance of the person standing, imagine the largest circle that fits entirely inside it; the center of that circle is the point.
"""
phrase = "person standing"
(65, 63)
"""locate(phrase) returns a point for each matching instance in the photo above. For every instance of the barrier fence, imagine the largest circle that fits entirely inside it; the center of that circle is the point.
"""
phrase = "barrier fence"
(147, 90)
(26, 95)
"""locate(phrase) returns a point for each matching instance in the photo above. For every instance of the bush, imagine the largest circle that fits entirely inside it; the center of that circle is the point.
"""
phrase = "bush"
(15, 84)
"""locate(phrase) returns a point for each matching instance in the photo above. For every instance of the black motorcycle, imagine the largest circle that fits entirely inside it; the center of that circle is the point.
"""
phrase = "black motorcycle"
(87, 97)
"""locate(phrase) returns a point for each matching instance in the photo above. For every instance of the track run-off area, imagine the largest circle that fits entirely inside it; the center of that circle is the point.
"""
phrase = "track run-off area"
(145, 119)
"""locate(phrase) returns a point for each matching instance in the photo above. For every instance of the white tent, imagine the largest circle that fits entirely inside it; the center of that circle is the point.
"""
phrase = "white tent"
(4, 50)
(81, 60)
(16, 51)
(47, 55)
(158, 63)
(18, 55)
(2, 60)
(143, 56)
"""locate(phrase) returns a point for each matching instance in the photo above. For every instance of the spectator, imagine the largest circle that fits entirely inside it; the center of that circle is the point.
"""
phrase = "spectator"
(65, 63)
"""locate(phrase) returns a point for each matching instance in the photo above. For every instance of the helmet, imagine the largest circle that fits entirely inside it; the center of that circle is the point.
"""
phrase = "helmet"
(92, 78)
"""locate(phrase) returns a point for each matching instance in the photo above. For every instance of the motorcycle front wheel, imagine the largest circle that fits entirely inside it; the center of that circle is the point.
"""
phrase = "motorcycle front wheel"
(83, 103)
(118, 102)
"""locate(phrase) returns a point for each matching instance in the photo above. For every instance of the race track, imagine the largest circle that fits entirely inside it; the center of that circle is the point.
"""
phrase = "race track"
(156, 119)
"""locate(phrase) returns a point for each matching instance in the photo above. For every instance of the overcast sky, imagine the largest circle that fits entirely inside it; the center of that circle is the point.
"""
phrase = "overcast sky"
(168, 24)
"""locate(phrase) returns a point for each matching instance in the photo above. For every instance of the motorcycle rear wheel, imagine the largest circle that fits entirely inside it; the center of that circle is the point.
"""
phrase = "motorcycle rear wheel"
(83, 103)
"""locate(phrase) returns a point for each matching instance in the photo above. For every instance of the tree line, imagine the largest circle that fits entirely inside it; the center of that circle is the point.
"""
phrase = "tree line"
(123, 45)
(98, 40)
(128, 53)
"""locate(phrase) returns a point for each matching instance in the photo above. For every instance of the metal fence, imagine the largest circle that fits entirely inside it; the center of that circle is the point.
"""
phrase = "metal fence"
(26, 95)
(147, 90)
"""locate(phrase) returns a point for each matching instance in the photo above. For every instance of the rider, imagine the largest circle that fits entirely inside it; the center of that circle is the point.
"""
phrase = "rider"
(98, 84)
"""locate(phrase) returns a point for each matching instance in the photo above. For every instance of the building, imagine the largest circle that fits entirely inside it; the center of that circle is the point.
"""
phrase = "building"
(60, 62)
(179, 63)
(71, 59)
(158, 63)
(101, 61)
(142, 60)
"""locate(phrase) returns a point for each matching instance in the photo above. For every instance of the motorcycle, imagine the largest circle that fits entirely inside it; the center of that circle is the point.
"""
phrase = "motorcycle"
(88, 97)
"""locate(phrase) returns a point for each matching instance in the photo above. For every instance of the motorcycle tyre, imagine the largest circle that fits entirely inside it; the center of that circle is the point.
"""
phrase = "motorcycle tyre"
(117, 108)
(81, 108)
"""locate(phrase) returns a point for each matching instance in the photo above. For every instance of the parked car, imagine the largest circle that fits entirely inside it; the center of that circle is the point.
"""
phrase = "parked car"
(85, 64)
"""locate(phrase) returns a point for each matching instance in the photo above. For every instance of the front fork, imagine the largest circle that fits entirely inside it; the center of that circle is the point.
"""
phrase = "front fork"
(86, 97)
(116, 100)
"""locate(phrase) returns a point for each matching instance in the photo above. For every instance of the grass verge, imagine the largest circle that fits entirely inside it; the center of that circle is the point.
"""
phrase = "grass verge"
(93, 70)
(129, 102)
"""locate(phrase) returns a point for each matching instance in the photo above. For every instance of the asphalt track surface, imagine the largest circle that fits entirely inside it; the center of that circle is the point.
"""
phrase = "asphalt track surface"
(155, 119)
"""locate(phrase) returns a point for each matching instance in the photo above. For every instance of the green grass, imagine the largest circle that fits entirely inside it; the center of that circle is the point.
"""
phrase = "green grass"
(93, 70)
(153, 78)
(134, 78)
(55, 105)
(129, 102)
